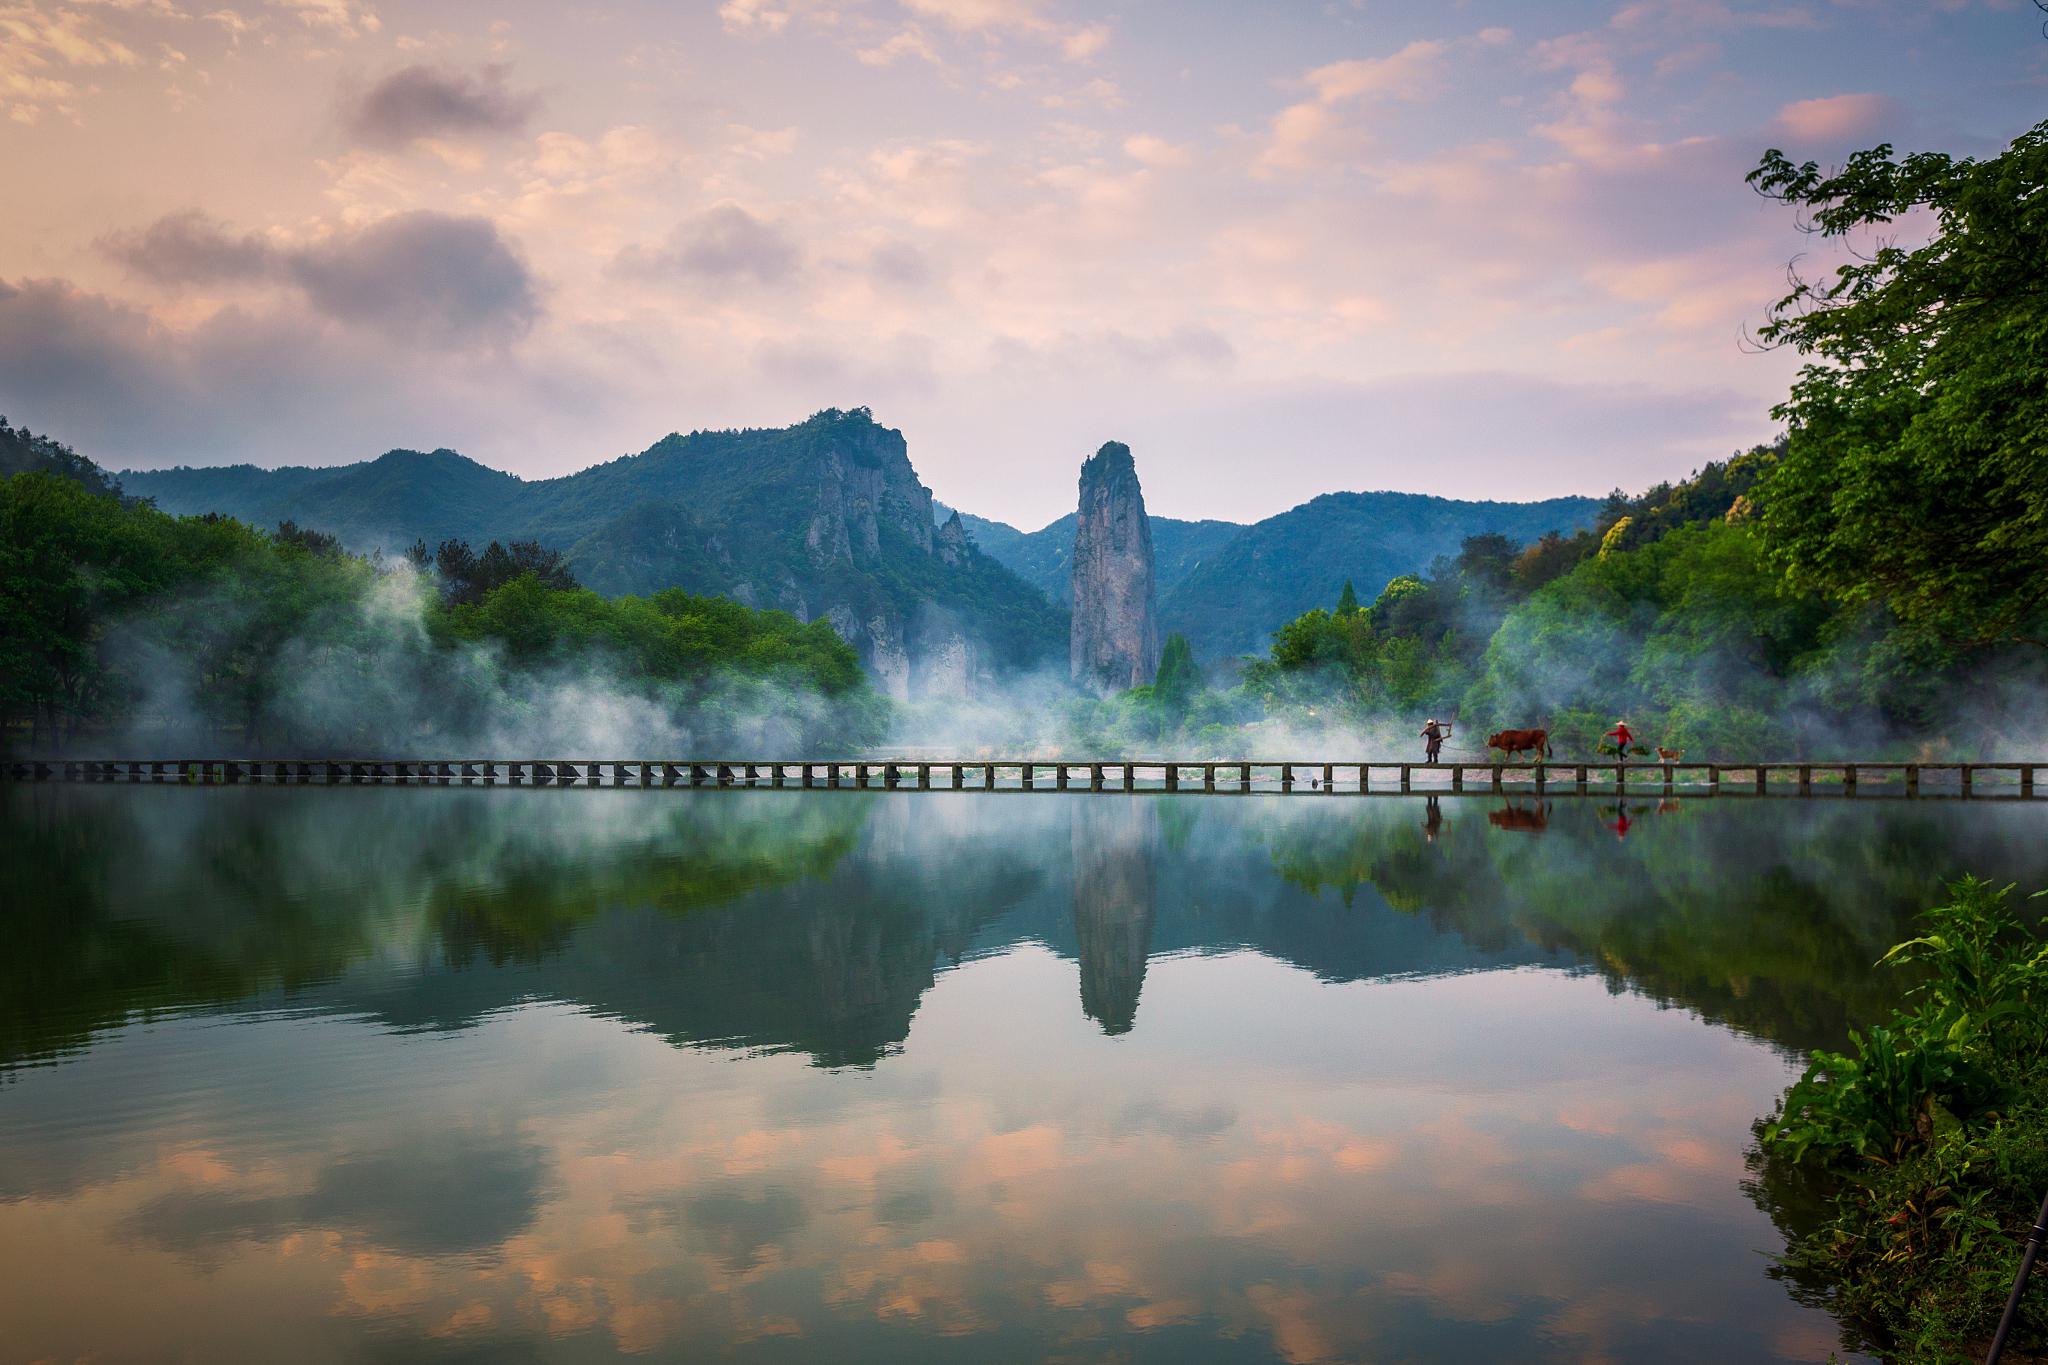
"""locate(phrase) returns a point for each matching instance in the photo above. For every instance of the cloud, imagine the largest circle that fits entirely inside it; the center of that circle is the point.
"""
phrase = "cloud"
(422, 276)
(911, 42)
(1155, 151)
(725, 244)
(899, 264)
(36, 44)
(1314, 131)
(1836, 118)
(418, 102)
(337, 16)
(276, 382)
(190, 248)
(752, 16)
(430, 278)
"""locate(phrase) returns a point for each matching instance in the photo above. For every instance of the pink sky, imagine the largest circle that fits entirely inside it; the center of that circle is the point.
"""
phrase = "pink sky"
(1471, 248)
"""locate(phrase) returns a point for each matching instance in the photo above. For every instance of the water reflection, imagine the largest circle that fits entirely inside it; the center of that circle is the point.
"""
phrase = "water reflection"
(1114, 852)
(537, 1075)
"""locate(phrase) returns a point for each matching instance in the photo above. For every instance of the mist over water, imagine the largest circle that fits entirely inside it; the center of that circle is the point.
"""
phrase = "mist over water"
(859, 1075)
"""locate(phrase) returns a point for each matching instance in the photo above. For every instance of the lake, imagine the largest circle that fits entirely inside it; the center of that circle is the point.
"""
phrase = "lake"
(443, 1074)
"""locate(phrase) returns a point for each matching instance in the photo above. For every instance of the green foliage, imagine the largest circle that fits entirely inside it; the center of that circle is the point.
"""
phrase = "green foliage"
(1178, 679)
(1935, 1131)
(112, 612)
(1347, 601)
(23, 452)
(1919, 430)
(468, 577)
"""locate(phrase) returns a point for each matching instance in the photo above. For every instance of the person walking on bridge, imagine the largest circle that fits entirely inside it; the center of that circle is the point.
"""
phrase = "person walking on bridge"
(1622, 737)
(1433, 738)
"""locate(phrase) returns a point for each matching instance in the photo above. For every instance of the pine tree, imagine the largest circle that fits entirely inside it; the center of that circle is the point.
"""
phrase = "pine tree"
(1347, 601)
(1178, 679)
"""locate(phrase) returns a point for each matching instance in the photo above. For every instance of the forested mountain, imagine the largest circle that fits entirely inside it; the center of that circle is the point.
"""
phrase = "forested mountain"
(1227, 587)
(823, 519)
(1043, 558)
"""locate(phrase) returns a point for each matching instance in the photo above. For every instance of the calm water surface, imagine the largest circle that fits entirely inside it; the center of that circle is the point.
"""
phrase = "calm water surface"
(444, 1074)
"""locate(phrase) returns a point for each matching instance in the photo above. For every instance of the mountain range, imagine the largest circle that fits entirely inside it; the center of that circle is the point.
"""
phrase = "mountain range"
(822, 519)
(828, 518)
(1227, 586)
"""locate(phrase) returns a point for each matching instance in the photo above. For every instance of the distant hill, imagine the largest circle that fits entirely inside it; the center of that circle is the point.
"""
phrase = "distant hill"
(1227, 587)
(1042, 558)
(825, 518)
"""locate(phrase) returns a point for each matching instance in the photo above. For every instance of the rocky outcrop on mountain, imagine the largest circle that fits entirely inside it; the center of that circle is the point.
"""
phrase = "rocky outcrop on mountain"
(952, 540)
(1114, 640)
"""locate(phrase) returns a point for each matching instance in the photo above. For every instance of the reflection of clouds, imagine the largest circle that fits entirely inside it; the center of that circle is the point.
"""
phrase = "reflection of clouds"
(442, 1193)
(1314, 1190)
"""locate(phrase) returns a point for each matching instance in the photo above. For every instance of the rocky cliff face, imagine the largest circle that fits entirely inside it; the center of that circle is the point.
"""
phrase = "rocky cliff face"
(1115, 634)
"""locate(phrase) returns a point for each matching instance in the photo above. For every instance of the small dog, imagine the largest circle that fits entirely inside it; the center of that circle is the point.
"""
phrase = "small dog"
(1671, 755)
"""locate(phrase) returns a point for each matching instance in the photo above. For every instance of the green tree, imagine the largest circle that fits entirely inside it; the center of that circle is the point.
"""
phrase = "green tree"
(1347, 601)
(1919, 430)
(1178, 679)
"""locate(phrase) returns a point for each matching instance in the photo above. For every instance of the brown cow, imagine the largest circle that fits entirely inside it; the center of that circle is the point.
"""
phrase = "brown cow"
(1513, 742)
(1528, 819)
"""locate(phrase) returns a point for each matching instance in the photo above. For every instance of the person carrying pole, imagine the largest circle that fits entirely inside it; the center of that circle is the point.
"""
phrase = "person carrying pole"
(1433, 738)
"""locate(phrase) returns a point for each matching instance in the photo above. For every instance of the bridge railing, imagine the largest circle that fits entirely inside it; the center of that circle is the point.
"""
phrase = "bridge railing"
(1239, 776)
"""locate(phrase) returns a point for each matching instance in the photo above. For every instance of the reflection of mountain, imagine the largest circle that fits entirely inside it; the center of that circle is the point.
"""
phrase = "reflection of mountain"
(1113, 906)
(782, 921)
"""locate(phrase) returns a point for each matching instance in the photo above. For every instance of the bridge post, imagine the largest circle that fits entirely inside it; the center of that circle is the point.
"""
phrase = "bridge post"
(1668, 774)
(1405, 767)
(1714, 777)
(1287, 777)
(1964, 772)
(1498, 769)
(1763, 778)
(924, 776)
(1244, 777)
(1542, 777)
(1364, 778)
(1059, 776)
(1848, 779)
(1172, 778)
(1457, 777)
(1024, 777)
(1208, 777)
(1329, 778)
(1806, 779)
(1095, 777)
(1912, 779)
(959, 777)
(1130, 776)
(2026, 779)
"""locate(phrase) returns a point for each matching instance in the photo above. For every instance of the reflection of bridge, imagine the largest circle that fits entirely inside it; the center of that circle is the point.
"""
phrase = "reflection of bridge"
(1240, 776)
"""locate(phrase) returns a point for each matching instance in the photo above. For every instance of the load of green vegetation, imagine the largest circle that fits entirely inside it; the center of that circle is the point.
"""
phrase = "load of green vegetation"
(115, 617)
(1925, 1146)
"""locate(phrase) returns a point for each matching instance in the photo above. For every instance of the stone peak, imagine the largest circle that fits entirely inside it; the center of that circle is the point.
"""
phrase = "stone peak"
(1113, 458)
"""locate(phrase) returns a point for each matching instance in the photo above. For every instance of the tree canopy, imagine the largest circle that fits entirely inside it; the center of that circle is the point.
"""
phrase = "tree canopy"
(1916, 474)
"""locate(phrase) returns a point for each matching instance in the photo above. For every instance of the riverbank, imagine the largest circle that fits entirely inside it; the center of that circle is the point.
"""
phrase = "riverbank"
(1931, 1140)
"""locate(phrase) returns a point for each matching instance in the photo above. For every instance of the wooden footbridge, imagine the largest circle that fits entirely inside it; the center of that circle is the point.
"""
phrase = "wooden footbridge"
(1240, 776)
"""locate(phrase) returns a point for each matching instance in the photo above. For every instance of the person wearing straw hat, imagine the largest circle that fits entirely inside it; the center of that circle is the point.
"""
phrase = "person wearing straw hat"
(1622, 737)
(1433, 738)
